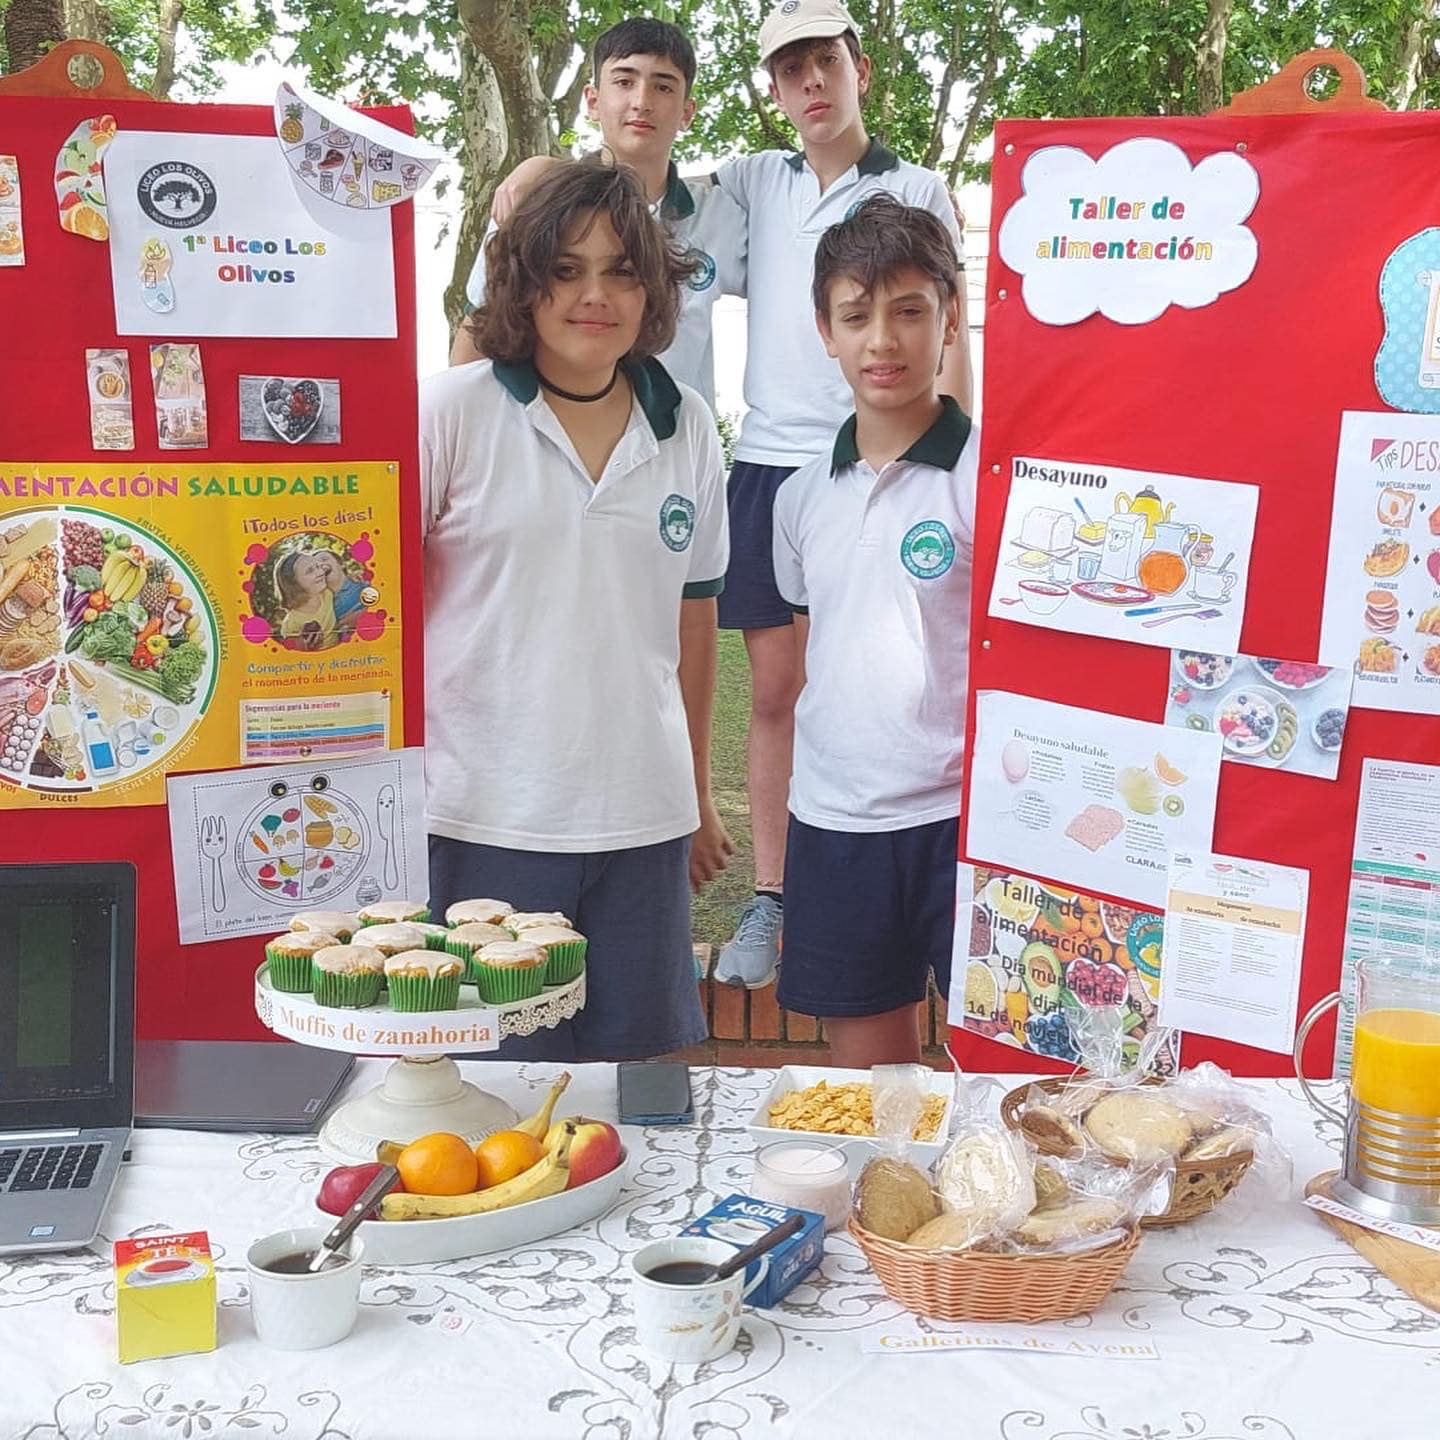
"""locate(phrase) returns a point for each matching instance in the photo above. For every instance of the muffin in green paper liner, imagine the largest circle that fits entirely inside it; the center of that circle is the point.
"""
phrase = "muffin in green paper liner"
(391, 939)
(523, 920)
(347, 976)
(564, 949)
(435, 935)
(339, 923)
(394, 912)
(464, 940)
(483, 912)
(509, 970)
(291, 956)
(423, 980)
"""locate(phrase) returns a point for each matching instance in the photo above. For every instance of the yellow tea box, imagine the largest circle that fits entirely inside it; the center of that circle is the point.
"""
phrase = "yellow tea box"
(164, 1296)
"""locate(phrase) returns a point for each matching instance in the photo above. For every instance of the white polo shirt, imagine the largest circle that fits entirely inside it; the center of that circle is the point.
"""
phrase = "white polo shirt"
(554, 719)
(797, 396)
(882, 563)
(702, 218)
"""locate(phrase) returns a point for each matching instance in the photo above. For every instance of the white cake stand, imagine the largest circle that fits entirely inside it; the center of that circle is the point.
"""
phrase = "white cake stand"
(422, 1091)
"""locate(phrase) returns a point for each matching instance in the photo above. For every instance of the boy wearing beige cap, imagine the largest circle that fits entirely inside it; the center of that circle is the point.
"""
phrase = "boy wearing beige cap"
(796, 395)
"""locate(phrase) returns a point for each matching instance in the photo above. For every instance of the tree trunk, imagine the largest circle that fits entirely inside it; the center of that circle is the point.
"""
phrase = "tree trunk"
(1411, 60)
(168, 17)
(31, 28)
(1210, 56)
(482, 165)
(85, 20)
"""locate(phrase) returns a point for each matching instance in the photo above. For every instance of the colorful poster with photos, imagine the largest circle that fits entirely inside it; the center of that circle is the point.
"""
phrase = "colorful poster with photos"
(150, 603)
(1031, 957)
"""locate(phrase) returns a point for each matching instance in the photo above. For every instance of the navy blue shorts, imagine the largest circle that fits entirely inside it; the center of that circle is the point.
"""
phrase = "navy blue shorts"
(750, 600)
(634, 908)
(868, 917)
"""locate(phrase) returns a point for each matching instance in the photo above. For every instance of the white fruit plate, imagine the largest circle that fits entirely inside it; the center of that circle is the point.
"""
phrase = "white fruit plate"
(457, 1237)
(858, 1149)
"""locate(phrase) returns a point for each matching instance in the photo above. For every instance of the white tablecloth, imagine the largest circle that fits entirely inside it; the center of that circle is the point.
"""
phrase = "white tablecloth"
(1268, 1326)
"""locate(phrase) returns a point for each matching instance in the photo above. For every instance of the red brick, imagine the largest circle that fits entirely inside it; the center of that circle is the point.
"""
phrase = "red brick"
(764, 1015)
(761, 1056)
(727, 1015)
(801, 1027)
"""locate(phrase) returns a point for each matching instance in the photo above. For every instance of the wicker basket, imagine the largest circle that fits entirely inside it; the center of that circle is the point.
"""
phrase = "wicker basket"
(1200, 1185)
(970, 1285)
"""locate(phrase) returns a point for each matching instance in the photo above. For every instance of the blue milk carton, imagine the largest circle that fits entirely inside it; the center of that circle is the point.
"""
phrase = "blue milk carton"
(741, 1220)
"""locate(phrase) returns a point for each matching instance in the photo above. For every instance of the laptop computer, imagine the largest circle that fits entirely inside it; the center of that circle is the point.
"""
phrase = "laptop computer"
(67, 1033)
(236, 1084)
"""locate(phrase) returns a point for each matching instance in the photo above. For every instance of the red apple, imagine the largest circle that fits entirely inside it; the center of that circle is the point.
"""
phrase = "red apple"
(342, 1187)
(595, 1150)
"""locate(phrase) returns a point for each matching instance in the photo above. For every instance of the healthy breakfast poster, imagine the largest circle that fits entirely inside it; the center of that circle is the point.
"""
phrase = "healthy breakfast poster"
(160, 618)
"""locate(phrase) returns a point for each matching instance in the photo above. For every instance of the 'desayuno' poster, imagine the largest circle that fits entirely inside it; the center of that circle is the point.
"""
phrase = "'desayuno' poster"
(163, 617)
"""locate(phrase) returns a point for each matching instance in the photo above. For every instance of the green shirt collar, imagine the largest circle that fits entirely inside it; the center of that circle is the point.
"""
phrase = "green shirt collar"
(654, 389)
(875, 161)
(939, 446)
(677, 203)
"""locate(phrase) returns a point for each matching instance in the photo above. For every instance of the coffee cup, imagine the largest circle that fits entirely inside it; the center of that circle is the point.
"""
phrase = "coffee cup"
(688, 1323)
(294, 1309)
(1212, 584)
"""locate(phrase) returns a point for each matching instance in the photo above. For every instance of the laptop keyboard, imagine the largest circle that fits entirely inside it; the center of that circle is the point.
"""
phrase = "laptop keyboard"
(49, 1167)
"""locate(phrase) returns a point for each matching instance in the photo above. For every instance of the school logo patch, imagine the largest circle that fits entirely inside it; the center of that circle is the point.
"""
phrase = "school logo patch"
(176, 195)
(790, 7)
(704, 275)
(677, 521)
(927, 551)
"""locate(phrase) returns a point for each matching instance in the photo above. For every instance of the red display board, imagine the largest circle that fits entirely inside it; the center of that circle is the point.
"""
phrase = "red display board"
(56, 306)
(1248, 388)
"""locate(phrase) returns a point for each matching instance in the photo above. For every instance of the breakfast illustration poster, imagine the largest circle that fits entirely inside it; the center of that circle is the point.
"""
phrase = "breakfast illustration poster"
(1277, 714)
(1032, 958)
(1136, 555)
(1382, 585)
(250, 848)
(158, 618)
(1098, 800)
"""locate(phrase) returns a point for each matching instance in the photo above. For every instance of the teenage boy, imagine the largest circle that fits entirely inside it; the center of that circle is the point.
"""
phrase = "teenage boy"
(873, 548)
(640, 96)
(796, 394)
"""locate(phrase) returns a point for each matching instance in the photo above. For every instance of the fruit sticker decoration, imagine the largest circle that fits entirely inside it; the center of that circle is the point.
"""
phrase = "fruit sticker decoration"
(79, 181)
(155, 287)
(12, 234)
(347, 157)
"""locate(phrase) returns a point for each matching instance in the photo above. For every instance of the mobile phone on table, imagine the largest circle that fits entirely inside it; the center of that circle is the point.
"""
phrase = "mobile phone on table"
(655, 1092)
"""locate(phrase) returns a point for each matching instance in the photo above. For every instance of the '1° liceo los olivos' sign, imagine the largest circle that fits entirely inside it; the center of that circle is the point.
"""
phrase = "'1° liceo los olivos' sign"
(1129, 234)
(210, 235)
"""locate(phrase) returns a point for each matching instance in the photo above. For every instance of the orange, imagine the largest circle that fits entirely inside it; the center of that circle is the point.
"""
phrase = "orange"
(1168, 772)
(439, 1164)
(504, 1155)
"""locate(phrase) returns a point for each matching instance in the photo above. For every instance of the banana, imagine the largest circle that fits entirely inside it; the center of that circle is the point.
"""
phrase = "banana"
(538, 1124)
(126, 579)
(137, 581)
(547, 1176)
(387, 1152)
(112, 560)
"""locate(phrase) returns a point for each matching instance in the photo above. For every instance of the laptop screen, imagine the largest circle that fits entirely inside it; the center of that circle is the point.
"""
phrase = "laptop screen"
(66, 995)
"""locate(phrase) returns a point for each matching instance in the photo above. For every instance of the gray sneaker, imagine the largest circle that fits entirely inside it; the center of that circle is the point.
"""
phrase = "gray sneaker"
(751, 956)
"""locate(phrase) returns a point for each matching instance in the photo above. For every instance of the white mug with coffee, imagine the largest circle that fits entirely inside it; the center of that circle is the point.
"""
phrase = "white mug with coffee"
(1212, 584)
(294, 1309)
(679, 1315)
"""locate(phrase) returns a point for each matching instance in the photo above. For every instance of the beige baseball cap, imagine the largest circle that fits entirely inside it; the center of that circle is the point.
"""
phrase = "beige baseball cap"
(793, 20)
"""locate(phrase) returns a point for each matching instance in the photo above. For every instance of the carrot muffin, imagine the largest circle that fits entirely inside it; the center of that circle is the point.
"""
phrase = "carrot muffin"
(290, 955)
(435, 935)
(486, 912)
(523, 920)
(339, 923)
(465, 941)
(393, 912)
(391, 939)
(348, 976)
(509, 970)
(564, 949)
(423, 980)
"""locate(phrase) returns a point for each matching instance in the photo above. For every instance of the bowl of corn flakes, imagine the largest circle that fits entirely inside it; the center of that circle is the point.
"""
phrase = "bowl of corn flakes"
(820, 1102)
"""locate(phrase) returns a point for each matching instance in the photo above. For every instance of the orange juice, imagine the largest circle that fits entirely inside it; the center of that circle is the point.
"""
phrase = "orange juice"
(1395, 1065)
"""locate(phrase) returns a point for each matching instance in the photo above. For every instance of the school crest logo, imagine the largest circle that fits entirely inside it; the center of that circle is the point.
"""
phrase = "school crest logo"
(176, 195)
(677, 521)
(927, 551)
(704, 275)
(790, 7)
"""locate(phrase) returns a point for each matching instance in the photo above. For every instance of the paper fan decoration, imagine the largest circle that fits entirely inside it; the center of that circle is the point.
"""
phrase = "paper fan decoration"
(348, 157)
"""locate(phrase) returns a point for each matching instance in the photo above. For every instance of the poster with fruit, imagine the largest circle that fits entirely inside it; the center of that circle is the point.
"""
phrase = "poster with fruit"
(1031, 959)
(1277, 714)
(145, 610)
(1382, 585)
